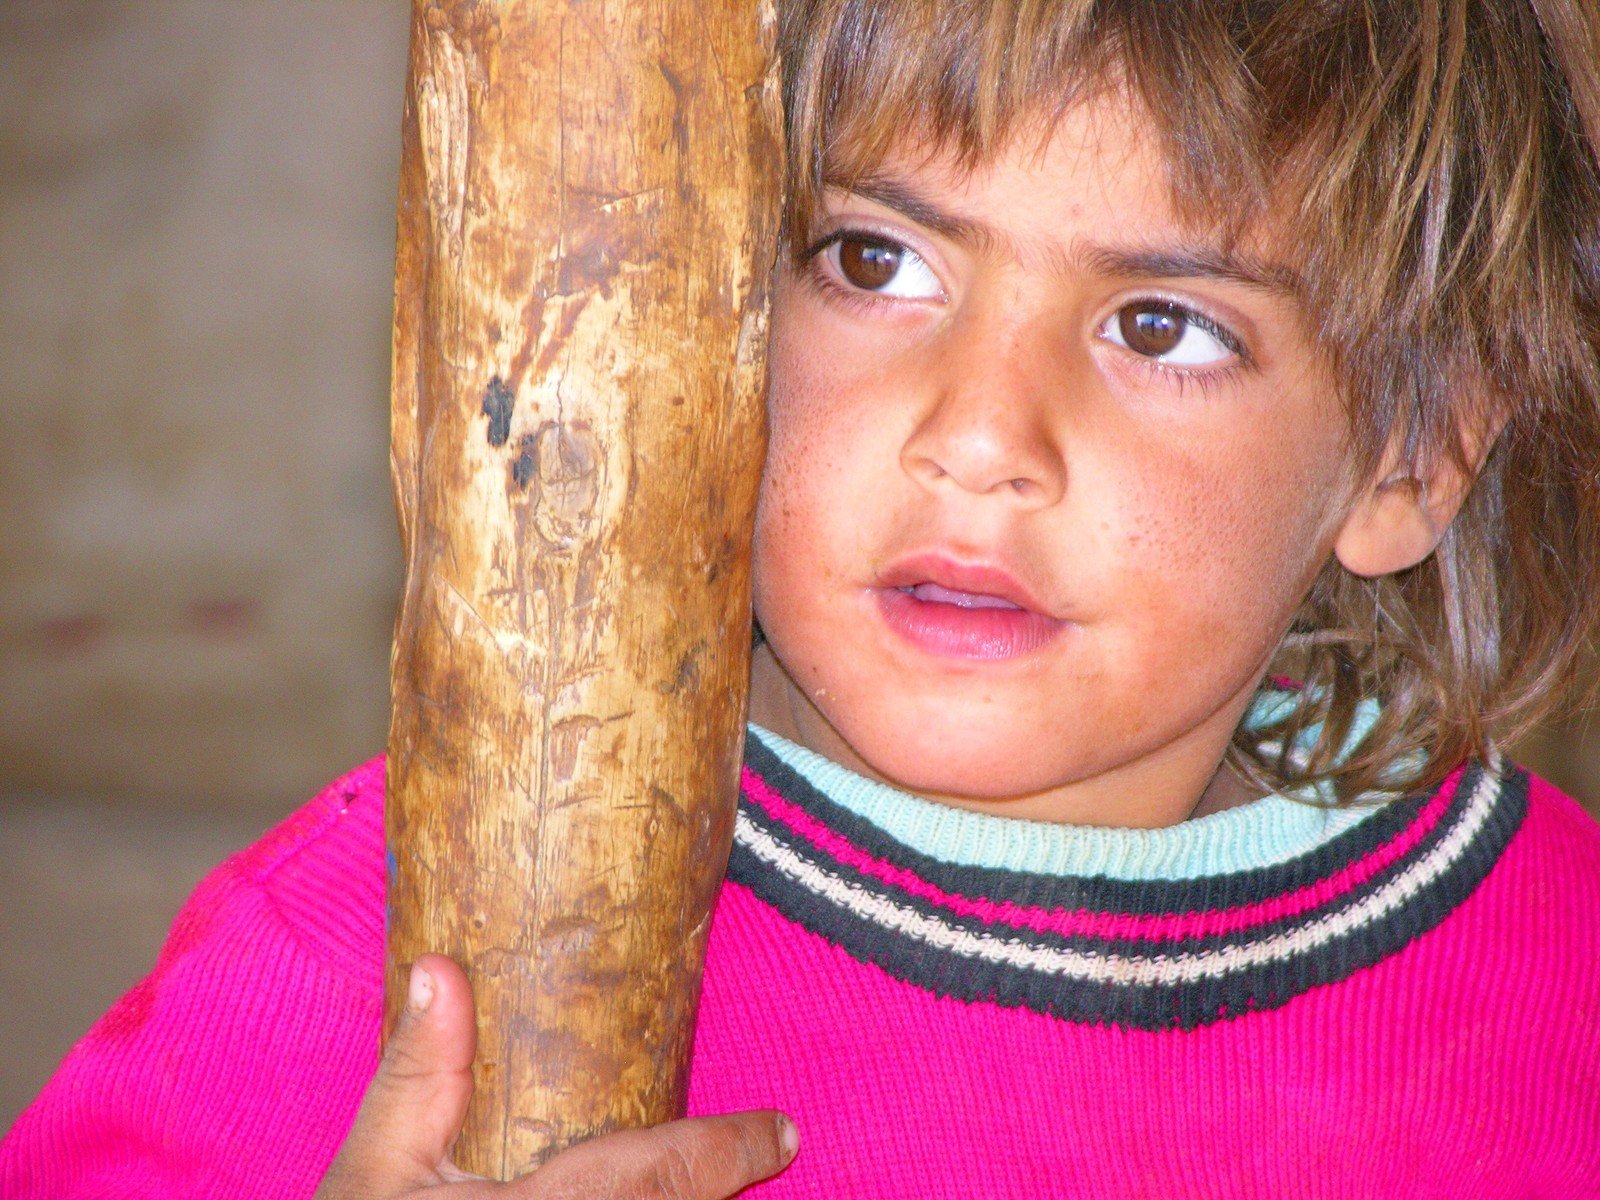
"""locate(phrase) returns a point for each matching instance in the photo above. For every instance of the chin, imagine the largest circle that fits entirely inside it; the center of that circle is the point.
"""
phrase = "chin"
(969, 762)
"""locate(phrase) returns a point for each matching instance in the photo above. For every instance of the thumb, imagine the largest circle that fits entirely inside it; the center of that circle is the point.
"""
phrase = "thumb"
(415, 1104)
(698, 1158)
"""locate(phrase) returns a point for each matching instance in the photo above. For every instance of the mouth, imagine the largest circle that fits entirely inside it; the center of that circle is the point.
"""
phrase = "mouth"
(963, 610)
(933, 593)
(937, 579)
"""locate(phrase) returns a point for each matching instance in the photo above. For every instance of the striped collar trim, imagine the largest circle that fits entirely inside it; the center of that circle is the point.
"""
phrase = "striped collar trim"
(1272, 829)
(1143, 954)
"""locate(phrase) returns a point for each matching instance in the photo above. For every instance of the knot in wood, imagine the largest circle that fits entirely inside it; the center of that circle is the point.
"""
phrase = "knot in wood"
(559, 465)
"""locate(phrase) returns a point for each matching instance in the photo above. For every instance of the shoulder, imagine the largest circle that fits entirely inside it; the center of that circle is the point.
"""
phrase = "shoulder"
(262, 1012)
(1555, 854)
(344, 819)
(303, 903)
(1535, 914)
(322, 870)
(316, 881)
(300, 909)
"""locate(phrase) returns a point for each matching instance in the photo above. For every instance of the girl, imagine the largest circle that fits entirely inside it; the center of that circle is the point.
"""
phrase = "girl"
(1185, 454)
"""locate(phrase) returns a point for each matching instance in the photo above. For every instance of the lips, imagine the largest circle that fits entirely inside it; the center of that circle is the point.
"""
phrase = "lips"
(962, 610)
(979, 581)
(933, 593)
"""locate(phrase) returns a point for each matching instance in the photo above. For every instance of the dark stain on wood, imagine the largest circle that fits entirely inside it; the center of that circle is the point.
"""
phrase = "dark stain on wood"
(498, 401)
(527, 464)
(687, 675)
(565, 459)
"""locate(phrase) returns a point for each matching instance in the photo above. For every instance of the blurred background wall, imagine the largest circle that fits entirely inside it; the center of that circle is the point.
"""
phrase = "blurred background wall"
(198, 559)
(196, 226)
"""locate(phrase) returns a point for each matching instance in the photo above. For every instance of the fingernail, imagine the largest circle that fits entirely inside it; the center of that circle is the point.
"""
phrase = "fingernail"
(788, 1138)
(419, 992)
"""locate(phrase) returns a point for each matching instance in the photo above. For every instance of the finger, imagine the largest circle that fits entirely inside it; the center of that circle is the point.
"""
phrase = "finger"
(415, 1104)
(703, 1158)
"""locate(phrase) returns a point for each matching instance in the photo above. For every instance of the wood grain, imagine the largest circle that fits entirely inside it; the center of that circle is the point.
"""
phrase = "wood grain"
(587, 211)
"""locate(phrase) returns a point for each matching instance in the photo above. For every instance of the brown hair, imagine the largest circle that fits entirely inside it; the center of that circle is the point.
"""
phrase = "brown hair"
(1446, 206)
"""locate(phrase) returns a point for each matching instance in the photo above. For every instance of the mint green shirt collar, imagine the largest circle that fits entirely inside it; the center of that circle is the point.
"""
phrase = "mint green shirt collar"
(1264, 832)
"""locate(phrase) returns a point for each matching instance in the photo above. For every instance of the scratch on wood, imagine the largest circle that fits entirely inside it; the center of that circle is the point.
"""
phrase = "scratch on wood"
(460, 602)
(612, 202)
(444, 128)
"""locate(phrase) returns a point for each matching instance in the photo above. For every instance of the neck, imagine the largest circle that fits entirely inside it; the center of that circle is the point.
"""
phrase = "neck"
(1175, 784)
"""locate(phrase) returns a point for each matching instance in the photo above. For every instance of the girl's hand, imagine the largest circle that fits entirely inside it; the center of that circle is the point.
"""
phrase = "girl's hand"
(400, 1141)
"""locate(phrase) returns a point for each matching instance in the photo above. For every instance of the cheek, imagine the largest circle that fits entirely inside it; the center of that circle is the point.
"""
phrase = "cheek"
(826, 448)
(801, 395)
(796, 480)
(802, 534)
(798, 483)
(1226, 546)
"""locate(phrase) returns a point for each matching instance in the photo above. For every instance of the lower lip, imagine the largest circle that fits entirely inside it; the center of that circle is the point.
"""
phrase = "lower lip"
(957, 632)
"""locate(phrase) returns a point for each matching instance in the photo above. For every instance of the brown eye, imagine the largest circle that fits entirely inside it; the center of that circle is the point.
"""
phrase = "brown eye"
(1153, 330)
(869, 263)
(1173, 335)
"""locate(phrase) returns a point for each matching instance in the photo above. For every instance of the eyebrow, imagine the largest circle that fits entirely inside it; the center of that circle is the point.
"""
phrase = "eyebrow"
(1194, 263)
(892, 193)
(1189, 262)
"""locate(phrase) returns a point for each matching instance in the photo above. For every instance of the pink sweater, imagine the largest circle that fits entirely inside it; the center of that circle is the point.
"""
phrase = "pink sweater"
(1411, 1008)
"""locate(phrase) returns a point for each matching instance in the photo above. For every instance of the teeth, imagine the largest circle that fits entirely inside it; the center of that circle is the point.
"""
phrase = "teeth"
(933, 593)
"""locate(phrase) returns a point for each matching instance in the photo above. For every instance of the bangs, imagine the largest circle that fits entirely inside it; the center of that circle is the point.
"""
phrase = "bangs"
(867, 78)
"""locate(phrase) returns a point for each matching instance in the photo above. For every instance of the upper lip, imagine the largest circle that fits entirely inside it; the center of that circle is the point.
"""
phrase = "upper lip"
(977, 578)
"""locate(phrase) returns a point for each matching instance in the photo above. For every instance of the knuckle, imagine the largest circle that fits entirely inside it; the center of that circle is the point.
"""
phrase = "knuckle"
(404, 1063)
(403, 1058)
(677, 1172)
(713, 1158)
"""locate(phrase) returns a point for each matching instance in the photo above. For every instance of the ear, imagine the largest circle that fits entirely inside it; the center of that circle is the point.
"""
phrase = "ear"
(1397, 520)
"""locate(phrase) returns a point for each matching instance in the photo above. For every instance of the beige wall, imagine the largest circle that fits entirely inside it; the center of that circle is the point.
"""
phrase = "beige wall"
(1567, 752)
(197, 547)
(197, 550)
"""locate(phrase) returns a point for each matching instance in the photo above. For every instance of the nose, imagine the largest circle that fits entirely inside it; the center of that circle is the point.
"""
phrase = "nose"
(985, 426)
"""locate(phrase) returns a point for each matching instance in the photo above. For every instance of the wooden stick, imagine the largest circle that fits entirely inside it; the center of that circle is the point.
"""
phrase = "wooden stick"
(587, 210)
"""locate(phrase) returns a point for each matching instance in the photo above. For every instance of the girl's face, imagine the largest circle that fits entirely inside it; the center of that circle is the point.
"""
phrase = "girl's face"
(1049, 475)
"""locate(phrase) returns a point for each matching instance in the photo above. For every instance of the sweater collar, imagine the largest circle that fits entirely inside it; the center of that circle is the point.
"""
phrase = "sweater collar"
(1268, 831)
(1069, 939)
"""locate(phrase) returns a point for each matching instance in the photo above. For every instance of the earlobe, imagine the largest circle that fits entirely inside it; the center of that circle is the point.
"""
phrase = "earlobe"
(1395, 525)
(1402, 516)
